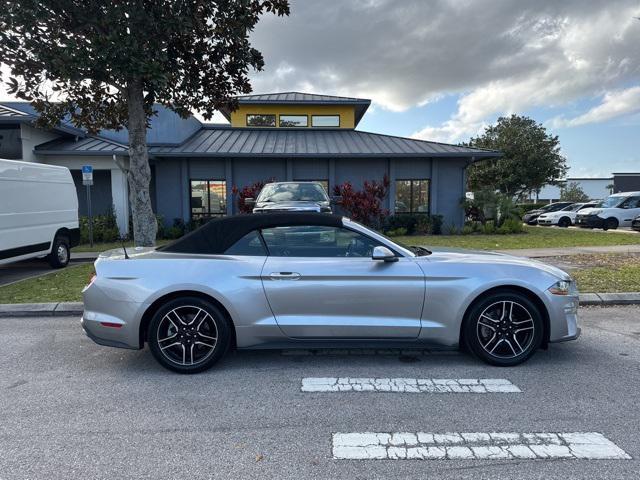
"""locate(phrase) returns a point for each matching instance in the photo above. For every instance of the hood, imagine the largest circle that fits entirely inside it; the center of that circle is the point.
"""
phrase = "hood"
(458, 255)
(589, 211)
(534, 212)
(292, 206)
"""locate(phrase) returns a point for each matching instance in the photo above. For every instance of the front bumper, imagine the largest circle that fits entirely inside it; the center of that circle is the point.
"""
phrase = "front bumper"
(546, 221)
(531, 219)
(589, 221)
(563, 318)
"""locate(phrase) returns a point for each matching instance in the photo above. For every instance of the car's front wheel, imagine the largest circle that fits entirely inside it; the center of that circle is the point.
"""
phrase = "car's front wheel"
(188, 335)
(610, 224)
(564, 222)
(503, 329)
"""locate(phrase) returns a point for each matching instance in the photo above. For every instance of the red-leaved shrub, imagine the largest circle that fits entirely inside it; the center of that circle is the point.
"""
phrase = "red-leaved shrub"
(364, 206)
(248, 191)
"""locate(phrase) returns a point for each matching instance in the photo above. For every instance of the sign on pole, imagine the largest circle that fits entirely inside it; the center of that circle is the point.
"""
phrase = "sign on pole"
(87, 180)
(87, 175)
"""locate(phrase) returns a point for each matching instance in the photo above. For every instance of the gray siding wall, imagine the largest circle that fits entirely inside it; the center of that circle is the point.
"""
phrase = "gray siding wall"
(101, 200)
(626, 183)
(446, 175)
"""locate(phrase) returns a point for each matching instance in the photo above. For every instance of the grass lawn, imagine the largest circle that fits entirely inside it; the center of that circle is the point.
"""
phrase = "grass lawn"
(101, 247)
(63, 285)
(534, 237)
(605, 272)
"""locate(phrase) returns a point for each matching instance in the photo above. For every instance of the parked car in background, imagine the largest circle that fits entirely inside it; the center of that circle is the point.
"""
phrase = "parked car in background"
(564, 217)
(38, 212)
(617, 210)
(304, 280)
(531, 217)
(291, 197)
(635, 225)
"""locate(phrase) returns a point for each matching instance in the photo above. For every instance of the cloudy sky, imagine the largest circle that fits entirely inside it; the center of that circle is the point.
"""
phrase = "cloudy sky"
(442, 70)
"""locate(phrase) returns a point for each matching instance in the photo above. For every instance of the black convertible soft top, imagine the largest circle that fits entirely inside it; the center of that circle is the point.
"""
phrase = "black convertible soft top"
(216, 236)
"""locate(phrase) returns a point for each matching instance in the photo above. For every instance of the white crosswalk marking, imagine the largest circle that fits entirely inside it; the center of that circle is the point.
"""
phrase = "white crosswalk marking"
(475, 445)
(408, 385)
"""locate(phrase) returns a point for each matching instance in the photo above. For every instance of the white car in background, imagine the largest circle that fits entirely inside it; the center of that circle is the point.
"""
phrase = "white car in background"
(565, 217)
(617, 210)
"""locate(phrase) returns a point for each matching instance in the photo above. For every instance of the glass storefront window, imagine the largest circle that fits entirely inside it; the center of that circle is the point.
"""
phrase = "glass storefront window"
(208, 198)
(412, 196)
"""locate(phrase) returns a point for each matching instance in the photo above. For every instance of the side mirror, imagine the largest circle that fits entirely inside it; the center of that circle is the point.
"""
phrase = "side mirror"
(249, 202)
(336, 199)
(384, 254)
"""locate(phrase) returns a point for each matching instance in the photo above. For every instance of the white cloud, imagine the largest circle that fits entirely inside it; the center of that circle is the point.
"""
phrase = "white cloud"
(614, 104)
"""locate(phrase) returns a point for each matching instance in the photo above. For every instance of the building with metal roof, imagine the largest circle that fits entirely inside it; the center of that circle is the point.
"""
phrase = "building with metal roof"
(278, 136)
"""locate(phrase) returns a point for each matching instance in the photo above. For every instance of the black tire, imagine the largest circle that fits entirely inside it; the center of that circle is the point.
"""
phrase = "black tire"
(610, 224)
(489, 312)
(175, 324)
(564, 222)
(60, 254)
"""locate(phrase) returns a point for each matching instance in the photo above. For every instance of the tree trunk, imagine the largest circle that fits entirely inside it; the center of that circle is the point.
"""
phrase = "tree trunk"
(144, 221)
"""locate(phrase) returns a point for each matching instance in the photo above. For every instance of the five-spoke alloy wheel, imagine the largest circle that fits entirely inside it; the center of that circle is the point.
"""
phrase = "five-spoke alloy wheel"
(503, 329)
(188, 335)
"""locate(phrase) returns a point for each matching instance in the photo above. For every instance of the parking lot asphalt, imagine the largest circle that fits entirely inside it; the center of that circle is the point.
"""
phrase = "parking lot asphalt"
(14, 272)
(73, 409)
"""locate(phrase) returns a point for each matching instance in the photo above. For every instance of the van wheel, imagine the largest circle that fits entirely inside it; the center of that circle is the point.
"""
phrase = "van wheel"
(59, 256)
(610, 224)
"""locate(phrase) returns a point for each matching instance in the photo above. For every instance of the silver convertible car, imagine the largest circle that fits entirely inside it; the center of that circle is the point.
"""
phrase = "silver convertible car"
(287, 280)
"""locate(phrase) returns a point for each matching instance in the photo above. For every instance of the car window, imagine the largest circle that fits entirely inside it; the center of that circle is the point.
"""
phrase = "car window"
(611, 202)
(317, 241)
(249, 245)
(631, 202)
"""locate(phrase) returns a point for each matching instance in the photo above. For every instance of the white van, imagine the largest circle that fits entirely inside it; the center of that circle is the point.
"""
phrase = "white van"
(617, 210)
(38, 212)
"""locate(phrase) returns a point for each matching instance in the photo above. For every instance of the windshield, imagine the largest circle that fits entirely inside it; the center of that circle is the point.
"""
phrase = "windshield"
(292, 192)
(611, 202)
(573, 208)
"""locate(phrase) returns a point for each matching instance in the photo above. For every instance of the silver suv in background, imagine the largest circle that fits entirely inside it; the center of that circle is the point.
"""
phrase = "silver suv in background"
(291, 197)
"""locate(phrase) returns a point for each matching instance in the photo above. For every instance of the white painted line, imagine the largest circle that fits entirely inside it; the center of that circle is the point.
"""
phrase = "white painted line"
(474, 446)
(408, 385)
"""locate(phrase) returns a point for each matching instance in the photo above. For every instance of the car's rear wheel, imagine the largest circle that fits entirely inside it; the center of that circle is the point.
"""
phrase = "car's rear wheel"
(188, 335)
(564, 222)
(60, 255)
(610, 224)
(503, 329)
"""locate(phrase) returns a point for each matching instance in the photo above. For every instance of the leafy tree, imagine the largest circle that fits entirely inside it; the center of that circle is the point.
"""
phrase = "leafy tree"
(109, 63)
(531, 157)
(573, 193)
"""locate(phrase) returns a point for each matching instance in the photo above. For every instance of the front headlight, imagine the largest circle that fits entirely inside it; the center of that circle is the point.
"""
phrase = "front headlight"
(563, 287)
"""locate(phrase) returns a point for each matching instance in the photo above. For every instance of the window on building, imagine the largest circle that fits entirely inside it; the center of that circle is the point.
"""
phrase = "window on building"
(261, 120)
(317, 241)
(325, 120)
(412, 196)
(293, 121)
(10, 144)
(208, 198)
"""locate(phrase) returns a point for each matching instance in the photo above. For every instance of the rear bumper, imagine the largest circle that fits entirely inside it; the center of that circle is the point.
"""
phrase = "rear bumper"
(589, 221)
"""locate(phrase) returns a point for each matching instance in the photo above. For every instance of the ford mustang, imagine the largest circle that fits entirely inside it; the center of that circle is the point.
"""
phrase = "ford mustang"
(305, 280)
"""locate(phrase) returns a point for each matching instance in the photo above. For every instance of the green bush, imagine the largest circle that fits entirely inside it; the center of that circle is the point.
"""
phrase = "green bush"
(468, 230)
(105, 228)
(489, 228)
(398, 232)
(414, 224)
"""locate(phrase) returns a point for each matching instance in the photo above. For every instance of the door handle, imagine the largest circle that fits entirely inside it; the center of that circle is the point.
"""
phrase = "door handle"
(284, 276)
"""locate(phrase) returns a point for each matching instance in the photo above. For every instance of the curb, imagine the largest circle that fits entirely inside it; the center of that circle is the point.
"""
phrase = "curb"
(41, 309)
(76, 308)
